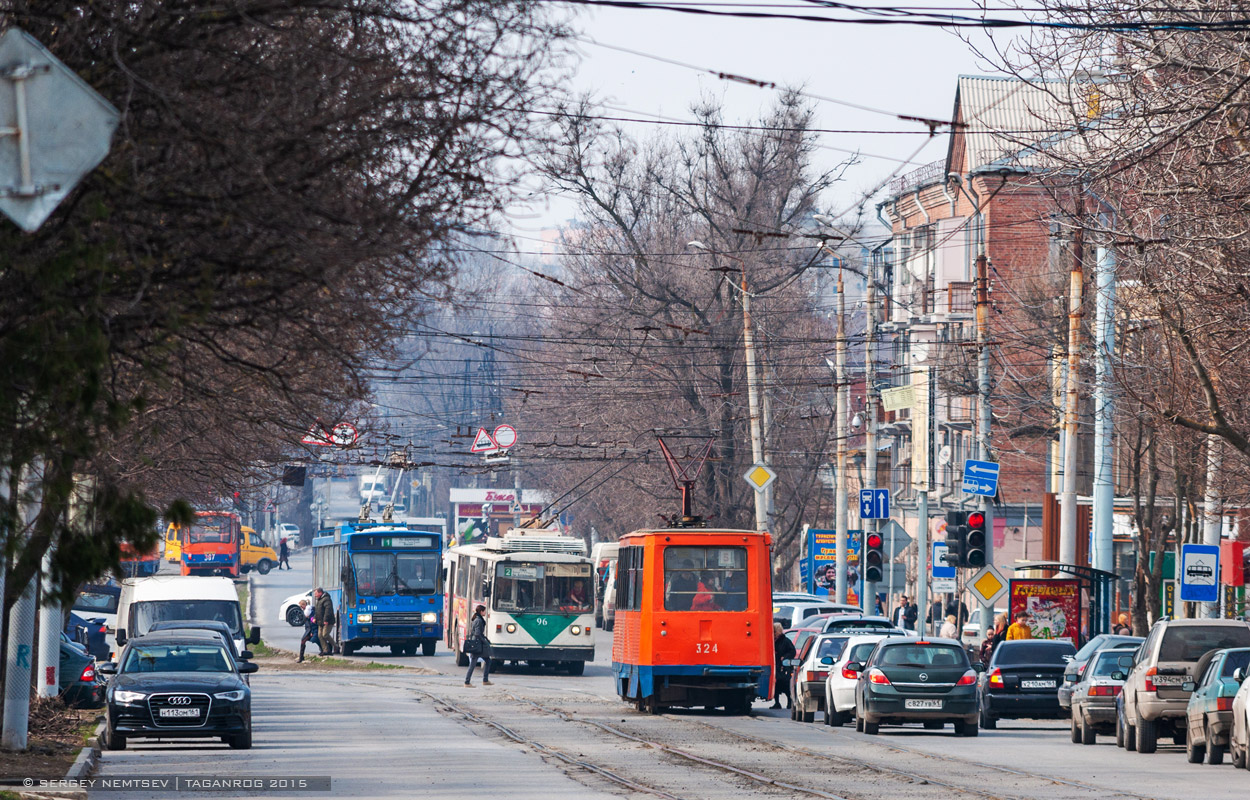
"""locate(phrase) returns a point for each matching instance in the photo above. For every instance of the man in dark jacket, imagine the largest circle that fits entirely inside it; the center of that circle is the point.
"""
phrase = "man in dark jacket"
(905, 615)
(323, 609)
(783, 649)
(310, 628)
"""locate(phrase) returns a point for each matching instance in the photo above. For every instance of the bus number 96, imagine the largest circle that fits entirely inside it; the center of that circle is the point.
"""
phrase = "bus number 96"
(701, 647)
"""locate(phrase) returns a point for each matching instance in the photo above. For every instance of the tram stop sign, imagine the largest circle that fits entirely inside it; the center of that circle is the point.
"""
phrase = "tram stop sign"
(54, 129)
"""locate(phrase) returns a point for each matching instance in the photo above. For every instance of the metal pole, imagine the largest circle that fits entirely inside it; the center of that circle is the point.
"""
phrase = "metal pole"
(840, 427)
(1067, 511)
(984, 451)
(757, 436)
(870, 411)
(1211, 511)
(1104, 426)
(922, 535)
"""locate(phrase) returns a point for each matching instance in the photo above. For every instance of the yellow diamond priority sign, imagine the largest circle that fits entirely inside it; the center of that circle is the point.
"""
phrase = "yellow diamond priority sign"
(988, 585)
(760, 477)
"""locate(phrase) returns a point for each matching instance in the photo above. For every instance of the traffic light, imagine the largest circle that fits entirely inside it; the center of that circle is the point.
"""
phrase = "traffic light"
(874, 558)
(956, 538)
(974, 546)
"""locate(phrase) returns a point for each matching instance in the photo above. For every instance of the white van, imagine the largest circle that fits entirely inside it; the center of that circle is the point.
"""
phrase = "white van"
(603, 558)
(373, 489)
(145, 601)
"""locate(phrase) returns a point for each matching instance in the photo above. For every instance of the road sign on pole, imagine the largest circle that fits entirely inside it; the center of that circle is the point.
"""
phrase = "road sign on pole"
(988, 585)
(940, 568)
(760, 476)
(482, 443)
(896, 538)
(504, 436)
(1199, 573)
(874, 503)
(980, 477)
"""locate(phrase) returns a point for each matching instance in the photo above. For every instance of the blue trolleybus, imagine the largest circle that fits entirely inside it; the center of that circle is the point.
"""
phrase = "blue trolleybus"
(383, 578)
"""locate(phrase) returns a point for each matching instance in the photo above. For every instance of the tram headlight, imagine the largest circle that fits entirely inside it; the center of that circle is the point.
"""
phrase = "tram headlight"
(429, 616)
(364, 619)
(511, 627)
(576, 630)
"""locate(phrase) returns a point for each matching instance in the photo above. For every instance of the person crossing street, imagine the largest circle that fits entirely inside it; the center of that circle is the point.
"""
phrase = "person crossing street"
(323, 609)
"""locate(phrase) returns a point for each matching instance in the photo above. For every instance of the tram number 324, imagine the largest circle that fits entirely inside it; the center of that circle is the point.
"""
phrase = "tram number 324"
(701, 647)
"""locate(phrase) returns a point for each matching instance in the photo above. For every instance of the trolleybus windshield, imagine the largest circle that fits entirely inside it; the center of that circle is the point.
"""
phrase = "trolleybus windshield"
(705, 578)
(381, 574)
(543, 588)
(212, 530)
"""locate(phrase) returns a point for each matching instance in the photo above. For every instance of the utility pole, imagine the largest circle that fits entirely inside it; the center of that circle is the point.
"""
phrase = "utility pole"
(757, 434)
(984, 451)
(1211, 511)
(1067, 511)
(922, 530)
(840, 428)
(1104, 422)
(870, 412)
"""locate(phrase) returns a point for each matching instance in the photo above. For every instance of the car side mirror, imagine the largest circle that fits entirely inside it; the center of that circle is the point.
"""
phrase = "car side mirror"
(790, 662)
(107, 668)
(245, 655)
(1125, 662)
(977, 666)
(827, 660)
(854, 666)
(1239, 674)
(121, 636)
(254, 636)
(247, 668)
(1118, 675)
(1188, 686)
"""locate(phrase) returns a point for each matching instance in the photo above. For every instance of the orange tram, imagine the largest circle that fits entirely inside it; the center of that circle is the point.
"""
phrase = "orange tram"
(693, 619)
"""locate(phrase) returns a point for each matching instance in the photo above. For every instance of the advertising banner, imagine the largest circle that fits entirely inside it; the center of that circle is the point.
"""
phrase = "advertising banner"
(1054, 607)
(821, 563)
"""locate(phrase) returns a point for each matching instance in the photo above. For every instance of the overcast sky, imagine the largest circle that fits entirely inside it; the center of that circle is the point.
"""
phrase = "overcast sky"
(900, 69)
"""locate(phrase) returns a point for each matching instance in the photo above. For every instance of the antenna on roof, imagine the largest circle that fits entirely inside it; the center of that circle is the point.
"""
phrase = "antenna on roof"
(683, 479)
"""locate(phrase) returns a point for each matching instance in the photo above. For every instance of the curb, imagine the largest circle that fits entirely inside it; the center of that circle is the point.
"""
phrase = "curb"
(88, 756)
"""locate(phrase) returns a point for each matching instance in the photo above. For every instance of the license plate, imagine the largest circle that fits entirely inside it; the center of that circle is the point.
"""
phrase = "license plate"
(1169, 680)
(180, 712)
(923, 705)
(1037, 684)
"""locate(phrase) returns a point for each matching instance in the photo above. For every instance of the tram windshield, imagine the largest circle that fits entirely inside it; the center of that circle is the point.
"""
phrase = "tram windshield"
(705, 578)
(543, 588)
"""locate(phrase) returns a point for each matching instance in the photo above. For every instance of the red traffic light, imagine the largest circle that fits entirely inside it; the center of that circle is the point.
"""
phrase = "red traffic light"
(976, 520)
(874, 540)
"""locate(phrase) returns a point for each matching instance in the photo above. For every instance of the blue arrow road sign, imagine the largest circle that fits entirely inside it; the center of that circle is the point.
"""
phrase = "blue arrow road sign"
(1199, 573)
(874, 503)
(940, 568)
(980, 477)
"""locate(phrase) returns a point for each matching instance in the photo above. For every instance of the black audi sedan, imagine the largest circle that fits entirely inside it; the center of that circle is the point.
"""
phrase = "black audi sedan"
(180, 684)
(909, 679)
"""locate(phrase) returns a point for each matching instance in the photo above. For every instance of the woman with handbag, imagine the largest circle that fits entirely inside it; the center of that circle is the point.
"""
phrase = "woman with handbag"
(476, 646)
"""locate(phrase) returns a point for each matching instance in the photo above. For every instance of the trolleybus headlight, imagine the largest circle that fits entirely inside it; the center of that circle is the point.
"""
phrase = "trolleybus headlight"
(364, 619)
(511, 627)
(576, 630)
(429, 616)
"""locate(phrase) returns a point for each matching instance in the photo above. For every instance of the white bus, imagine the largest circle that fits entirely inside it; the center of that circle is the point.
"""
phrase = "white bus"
(538, 589)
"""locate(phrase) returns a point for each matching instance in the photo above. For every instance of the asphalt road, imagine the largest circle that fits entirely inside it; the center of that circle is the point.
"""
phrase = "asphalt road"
(404, 733)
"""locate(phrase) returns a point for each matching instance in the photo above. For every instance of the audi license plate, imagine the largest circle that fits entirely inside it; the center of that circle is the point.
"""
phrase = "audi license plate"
(180, 712)
(923, 705)
(1037, 684)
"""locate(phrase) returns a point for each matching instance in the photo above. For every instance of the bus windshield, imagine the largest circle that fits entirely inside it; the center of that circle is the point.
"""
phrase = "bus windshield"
(381, 574)
(211, 530)
(543, 588)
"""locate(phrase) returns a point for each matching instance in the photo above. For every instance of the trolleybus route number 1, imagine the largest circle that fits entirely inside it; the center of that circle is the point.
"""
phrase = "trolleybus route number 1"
(700, 647)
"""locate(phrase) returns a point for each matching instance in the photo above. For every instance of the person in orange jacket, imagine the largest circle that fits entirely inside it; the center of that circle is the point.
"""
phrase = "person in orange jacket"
(1020, 628)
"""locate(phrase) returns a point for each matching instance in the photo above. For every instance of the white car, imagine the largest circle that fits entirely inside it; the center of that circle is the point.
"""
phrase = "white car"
(290, 532)
(807, 679)
(840, 683)
(971, 633)
(1239, 737)
(290, 613)
(792, 613)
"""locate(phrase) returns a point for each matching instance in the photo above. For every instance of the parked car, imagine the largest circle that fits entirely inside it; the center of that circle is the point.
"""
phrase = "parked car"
(808, 674)
(91, 633)
(907, 679)
(79, 686)
(1155, 697)
(970, 634)
(1022, 680)
(1239, 737)
(1102, 641)
(290, 612)
(840, 683)
(1210, 710)
(291, 532)
(858, 623)
(795, 614)
(99, 600)
(177, 684)
(1094, 696)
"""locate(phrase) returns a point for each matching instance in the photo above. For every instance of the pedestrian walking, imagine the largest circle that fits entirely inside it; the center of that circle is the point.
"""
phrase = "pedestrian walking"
(783, 649)
(284, 553)
(477, 646)
(906, 614)
(323, 608)
(1020, 628)
(1122, 626)
(310, 629)
(949, 629)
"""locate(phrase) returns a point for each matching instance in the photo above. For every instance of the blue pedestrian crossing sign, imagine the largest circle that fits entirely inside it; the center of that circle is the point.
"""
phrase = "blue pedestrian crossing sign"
(980, 477)
(1199, 573)
(874, 503)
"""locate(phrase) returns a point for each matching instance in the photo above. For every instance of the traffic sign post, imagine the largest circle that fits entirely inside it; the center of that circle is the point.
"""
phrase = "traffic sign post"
(941, 569)
(980, 478)
(988, 585)
(1199, 573)
(874, 503)
(760, 476)
(483, 443)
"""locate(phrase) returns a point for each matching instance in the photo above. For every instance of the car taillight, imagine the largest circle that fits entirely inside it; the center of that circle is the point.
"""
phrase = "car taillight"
(1104, 691)
(817, 675)
(969, 678)
(104, 629)
(850, 674)
(878, 677)
(1224, 704)
(996, 678)
(88, 674)
(1150, 685)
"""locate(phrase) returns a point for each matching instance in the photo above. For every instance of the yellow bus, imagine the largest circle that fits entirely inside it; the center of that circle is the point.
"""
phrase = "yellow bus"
(173, 544)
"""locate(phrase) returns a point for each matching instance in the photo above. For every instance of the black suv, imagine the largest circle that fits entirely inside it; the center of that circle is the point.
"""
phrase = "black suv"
(178, 684)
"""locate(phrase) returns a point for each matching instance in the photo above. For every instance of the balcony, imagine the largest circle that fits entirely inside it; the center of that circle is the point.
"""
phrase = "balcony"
(960, 298)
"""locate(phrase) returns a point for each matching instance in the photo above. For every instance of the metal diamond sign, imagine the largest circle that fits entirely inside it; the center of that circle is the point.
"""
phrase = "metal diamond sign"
(760, 477)
(54, 129)
(988, 585)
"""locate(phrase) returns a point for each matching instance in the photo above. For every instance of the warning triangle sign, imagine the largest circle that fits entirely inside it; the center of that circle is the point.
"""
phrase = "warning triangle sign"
(482, 443)
(318, 435)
